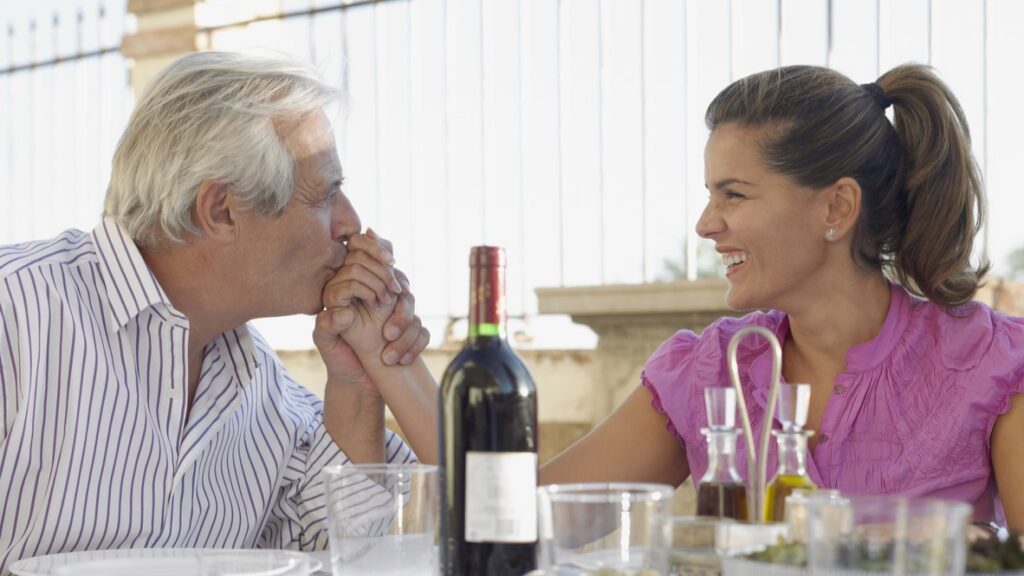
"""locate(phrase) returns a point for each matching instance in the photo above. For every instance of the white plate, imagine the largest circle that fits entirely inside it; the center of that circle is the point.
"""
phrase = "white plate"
(123, 562)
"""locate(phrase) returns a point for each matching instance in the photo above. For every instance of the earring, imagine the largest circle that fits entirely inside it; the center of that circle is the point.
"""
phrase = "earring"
(830, 234)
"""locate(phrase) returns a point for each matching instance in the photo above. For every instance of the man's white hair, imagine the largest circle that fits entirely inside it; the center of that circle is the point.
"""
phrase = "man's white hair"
(209, 116)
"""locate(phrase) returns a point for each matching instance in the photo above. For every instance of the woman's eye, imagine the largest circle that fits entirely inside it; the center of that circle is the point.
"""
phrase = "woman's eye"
(733, 195)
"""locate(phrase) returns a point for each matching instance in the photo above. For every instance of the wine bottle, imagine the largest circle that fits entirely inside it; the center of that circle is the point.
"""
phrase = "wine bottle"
(488, 460)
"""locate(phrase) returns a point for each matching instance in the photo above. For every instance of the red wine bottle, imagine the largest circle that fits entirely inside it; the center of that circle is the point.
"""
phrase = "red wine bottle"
(488, 460)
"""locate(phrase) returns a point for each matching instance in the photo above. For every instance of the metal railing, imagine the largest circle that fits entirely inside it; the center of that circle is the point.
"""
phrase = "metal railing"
(64, 98)
(569, 131)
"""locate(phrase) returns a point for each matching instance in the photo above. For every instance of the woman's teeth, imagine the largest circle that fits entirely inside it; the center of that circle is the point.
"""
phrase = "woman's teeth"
(734, 259)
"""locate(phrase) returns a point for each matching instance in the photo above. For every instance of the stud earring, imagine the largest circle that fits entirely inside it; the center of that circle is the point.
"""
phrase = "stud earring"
(830, 234)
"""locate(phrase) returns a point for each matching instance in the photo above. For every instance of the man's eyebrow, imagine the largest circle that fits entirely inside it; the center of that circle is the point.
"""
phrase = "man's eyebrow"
(334, 178)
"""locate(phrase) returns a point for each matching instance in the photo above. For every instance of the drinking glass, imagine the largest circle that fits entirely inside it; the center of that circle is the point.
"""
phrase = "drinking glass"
(382, 519)
(886, 534)
(590, 529)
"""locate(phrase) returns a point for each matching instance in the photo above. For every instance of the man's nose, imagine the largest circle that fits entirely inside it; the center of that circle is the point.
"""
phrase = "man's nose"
(346, 220)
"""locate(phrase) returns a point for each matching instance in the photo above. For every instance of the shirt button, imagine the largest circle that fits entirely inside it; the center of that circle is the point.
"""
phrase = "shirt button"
(823, 439)
(172, 393)
(838, 389)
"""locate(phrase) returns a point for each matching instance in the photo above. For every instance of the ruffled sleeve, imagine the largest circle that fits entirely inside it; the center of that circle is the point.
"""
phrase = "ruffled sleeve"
(664, 377)
(1006, 361)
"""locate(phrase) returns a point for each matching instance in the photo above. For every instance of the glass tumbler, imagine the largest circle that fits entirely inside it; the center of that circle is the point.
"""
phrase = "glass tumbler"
(382, 519)
(886, 534)
(598, 529)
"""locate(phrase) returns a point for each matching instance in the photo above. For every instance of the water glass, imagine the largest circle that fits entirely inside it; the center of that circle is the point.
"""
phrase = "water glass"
(795, 511)
(382, 519)
(590, 529)
(886, 534)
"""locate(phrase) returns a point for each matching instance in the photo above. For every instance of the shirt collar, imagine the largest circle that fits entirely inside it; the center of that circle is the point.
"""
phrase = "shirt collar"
(131, 286)
(238, 350)
(863, 356)
(870, 354)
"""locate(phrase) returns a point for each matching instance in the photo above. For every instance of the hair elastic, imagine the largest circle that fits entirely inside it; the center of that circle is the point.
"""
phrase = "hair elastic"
(878, 94)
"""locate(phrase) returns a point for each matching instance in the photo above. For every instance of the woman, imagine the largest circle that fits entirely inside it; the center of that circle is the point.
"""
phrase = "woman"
(856, 234)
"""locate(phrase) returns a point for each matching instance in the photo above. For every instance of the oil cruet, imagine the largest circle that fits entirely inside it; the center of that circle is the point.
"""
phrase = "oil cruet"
(721, 492)
(791, 441)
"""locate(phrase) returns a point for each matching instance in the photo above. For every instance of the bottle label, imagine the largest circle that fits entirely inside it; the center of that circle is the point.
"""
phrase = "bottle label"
(501, 497)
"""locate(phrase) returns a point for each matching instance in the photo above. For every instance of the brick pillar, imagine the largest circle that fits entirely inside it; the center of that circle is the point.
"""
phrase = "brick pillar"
(166, 31)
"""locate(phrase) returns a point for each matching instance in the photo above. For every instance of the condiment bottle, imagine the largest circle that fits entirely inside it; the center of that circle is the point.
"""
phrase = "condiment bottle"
(721, 492)
(791, 441)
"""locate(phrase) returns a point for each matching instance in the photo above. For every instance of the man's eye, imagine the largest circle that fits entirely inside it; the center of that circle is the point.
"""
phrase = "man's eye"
(328, 200)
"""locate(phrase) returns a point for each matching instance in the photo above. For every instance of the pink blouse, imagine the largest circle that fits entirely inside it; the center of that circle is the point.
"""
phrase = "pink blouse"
(911, 415)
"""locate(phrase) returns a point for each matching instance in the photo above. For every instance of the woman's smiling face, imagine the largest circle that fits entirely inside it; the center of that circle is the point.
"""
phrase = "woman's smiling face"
(769, 230)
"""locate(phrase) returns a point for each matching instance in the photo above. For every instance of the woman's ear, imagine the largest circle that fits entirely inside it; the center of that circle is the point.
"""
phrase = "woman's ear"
(844, 197)
(216, 212)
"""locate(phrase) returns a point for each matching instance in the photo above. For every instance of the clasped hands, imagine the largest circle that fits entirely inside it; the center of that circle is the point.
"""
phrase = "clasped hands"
(369, 316)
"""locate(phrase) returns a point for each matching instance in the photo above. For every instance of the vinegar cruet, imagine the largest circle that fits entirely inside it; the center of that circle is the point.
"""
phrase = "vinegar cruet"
(721, 492)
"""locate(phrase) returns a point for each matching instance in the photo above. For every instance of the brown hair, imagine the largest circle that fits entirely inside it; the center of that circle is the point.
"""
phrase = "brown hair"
(922, 201)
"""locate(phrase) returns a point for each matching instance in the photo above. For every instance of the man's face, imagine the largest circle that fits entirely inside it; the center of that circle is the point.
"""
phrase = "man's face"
(296, 252)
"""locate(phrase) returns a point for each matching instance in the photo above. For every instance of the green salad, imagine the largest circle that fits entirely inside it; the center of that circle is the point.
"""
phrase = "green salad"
(994, 555)
(984, 555)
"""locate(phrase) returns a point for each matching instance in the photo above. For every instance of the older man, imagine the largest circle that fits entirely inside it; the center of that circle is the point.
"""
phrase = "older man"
(137, 407)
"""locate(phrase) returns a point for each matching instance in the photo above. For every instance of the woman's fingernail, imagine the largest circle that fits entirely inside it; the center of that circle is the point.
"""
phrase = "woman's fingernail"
(406, 359)
(386, 257)
(390, 358)
(391, 333)
(396, 287)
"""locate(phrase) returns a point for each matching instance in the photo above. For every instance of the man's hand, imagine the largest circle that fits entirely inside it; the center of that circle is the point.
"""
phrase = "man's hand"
(367, 292)
(343, 366)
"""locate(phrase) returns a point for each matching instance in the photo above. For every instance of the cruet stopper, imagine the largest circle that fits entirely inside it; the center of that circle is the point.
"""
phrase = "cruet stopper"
(794, 401)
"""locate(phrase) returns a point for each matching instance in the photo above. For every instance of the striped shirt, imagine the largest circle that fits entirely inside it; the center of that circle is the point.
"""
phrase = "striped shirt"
(95, 448)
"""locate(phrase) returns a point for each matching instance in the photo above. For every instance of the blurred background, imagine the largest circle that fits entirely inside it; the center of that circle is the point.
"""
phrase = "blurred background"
(569, 131)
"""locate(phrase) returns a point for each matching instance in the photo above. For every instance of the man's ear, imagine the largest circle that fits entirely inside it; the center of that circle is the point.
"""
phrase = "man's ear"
(216, 211)
(844, 198)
